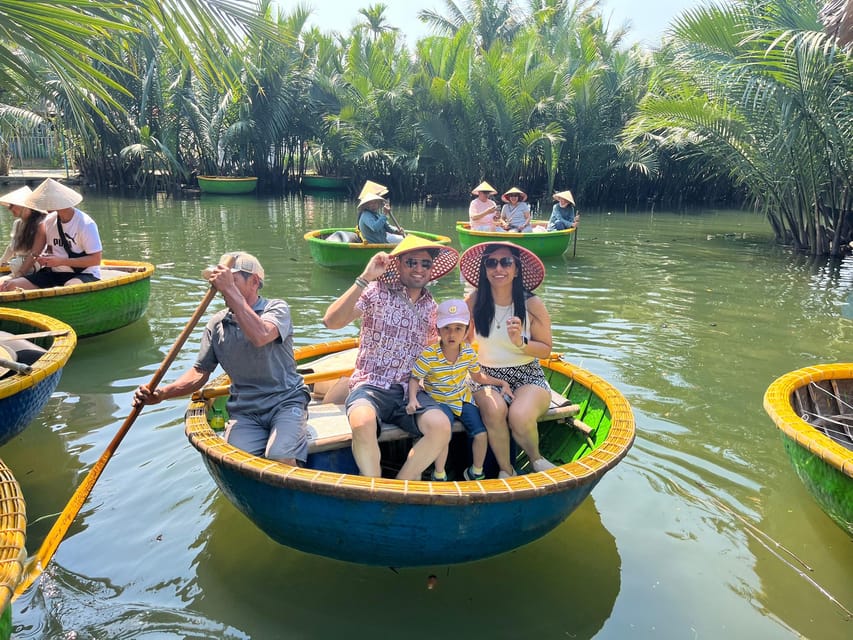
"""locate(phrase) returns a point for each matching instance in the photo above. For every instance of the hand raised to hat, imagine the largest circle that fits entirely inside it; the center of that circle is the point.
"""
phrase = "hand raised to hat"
(376, 267)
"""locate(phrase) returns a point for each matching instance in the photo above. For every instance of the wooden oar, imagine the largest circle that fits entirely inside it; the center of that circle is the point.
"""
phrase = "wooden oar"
(575, 242)
(37, 334)
(37, 563)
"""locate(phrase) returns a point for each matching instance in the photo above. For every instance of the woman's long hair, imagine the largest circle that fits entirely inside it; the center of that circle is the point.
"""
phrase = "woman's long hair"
(484, 305)
(23, 242)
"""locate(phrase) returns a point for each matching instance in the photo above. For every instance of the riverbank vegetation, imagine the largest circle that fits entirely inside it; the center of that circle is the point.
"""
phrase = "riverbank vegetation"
(744, 103)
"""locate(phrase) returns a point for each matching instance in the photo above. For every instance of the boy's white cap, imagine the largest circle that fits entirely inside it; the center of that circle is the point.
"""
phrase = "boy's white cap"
(451, 312)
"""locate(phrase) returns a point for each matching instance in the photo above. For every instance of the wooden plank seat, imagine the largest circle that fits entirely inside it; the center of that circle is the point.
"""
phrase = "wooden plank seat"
(328, 428)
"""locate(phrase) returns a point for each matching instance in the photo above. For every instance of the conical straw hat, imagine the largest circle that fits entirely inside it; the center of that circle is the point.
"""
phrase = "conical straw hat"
(532, 269)
(522, 197)
(483, 186)
(368, 198)
(16, 197)
(443, 262)
(372, 187)
(565, 195)
(51, 195)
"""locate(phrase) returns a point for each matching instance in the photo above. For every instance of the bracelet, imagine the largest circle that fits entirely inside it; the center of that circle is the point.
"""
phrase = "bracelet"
(361, 282)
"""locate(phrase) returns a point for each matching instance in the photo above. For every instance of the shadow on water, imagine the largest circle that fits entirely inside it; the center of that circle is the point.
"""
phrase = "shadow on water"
(563, 585)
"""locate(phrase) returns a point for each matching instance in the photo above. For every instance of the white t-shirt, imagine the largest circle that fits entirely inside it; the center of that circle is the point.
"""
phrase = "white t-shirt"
(83, 237)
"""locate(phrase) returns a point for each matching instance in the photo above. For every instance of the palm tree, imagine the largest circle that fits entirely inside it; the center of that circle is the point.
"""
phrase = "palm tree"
(375, 22)
(489, 20)
(758, 91)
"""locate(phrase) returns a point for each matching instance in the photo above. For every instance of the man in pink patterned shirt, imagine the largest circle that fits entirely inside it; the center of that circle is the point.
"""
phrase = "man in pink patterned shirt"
(398, 322)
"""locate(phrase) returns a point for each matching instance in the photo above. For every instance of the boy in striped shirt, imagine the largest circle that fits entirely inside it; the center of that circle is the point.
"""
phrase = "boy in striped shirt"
(444, 368)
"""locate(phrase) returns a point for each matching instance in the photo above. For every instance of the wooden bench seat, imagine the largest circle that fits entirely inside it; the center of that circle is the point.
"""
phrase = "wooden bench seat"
(328, 428)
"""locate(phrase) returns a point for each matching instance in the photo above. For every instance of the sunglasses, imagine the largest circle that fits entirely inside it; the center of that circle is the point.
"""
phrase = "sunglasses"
(492, 263)
(412, 263)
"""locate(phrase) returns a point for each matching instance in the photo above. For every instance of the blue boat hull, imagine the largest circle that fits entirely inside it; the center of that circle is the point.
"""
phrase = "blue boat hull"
(20, 409)
(395, 534)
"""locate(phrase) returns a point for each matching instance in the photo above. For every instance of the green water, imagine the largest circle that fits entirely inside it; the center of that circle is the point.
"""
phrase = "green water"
(689, 316)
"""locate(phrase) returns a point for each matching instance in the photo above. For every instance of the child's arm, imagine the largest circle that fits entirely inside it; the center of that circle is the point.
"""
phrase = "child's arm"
(414, 386)
(483, 378)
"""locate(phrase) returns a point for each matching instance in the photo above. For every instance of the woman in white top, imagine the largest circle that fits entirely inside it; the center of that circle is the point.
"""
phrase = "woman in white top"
(483, 211)
(513, 330)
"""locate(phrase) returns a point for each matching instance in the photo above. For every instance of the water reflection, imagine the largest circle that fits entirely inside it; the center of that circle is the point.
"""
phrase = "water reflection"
(690, 316)
(563, 585)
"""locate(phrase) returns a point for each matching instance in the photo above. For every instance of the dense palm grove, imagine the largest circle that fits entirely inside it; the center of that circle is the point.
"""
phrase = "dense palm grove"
(743, 103)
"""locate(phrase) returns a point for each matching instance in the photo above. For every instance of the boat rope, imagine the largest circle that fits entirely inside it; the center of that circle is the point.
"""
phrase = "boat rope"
(845, 429)
(776, 550)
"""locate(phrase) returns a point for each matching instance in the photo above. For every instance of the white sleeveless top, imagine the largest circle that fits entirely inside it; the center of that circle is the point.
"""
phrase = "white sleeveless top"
(497, 350)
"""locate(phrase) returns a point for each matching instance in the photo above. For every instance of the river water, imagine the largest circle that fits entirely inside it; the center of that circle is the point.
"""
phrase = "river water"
(690, 316)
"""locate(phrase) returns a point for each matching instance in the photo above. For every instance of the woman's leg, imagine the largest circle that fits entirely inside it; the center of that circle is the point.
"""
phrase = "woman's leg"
(529, 403)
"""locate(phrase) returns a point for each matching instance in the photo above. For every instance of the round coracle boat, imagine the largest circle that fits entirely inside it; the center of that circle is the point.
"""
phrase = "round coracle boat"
(119, 298)
(13, 530)
(227, 185)
(45, 352)
(813, 408)
(545, 244)
(341, 248)
(328, 510)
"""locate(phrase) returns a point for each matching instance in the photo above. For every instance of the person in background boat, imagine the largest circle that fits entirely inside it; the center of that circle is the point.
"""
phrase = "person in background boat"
(72, 250)
(373, 224)
(513, 330)
(515, 214)
(397, 322)
(27, 234)
(444, 368)
(252, 339)
(563, 215)
(483, 211)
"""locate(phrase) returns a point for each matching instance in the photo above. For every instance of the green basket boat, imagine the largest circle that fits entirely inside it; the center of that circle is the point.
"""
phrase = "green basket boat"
(325, 183)
(13, 533)
(351, 255)
(227, 184)
(813, 408)
(119, 298)
(545, 244)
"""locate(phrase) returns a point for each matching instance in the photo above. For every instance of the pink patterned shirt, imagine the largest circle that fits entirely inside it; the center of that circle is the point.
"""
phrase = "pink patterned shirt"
(394, 331)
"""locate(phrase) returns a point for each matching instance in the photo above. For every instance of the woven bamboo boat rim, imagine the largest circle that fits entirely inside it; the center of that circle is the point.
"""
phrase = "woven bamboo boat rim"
(316, 233)
(777, 404)
(140, 271)
(50, 362)
(13, 529)
(503, 236)
(229, 178)
(588, 469)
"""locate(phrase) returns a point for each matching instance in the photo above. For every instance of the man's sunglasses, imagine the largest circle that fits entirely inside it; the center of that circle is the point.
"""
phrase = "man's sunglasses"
(492, 263)
(412, 263)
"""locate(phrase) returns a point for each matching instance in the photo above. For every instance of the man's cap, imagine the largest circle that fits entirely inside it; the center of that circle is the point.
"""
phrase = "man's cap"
(245, 262)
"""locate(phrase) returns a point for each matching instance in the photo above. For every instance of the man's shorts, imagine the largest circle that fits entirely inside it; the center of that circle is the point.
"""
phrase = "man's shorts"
(390, 406)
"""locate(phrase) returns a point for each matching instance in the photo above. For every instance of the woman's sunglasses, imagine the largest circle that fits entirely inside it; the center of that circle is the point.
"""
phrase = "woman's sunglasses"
(492, 263)
(412, 263)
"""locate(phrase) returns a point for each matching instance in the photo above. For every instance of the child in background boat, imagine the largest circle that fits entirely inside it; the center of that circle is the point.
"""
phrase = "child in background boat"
(444, 368)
